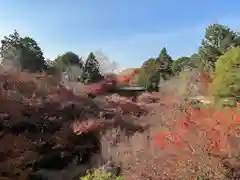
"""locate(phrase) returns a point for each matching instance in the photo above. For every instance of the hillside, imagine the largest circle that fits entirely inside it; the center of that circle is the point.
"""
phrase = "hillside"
(49, 132)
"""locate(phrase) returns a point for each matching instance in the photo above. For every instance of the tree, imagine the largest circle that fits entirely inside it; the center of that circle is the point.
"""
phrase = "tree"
(164, 64)
(180, 64)
(149, 75)
(70, 66)
(226, 78)
(218, 40)
(23, 51)
(195, 62)
(50, 68)
(67, 59)
(91, 69)
(106, 66)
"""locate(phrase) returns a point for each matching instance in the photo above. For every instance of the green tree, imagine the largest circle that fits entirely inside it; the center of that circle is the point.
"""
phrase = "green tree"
(91, 69)
(69, 66)
(226, 78)
(164, 64)
(149, 75)
(195, 62)
(68, 59)
(179, 64)
(218, 40)
(24, 51)
(50, 68)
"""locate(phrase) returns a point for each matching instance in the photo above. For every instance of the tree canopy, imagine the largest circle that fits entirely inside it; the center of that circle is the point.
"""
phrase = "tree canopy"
(218, 49)
(68, 59)
(23, 52)
(91, 69)
(218, 39)
(226, 80)
(164, 62)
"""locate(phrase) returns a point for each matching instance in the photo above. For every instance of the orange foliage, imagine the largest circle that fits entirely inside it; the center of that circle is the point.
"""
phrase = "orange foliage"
(216, 125)
(125, 79)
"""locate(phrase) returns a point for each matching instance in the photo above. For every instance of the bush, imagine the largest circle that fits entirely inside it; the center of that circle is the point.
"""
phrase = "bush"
(226, 78)
(100, 174)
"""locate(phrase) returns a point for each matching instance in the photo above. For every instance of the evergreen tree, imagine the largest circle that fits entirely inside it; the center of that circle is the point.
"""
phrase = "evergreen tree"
(164, 64)
(91, 69)
(218, 40)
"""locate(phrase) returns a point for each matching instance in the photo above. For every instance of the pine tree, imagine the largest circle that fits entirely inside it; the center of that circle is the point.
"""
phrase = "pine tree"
(91, 69)
(164, 64)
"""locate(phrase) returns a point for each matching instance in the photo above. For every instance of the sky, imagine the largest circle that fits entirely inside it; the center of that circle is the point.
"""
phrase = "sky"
(127, 31)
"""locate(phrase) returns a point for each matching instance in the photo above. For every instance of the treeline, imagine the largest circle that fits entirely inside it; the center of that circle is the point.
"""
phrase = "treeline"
(24, 53)
(218, 55)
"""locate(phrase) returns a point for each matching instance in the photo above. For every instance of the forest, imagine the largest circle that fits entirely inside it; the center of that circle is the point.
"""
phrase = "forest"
(184, 126)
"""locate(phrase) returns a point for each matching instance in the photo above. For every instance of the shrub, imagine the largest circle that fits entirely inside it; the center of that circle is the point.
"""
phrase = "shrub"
(100, 174)
(226, 78)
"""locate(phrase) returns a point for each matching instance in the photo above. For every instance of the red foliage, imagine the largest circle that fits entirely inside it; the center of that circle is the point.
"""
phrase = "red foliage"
(100, 87)
(216, 125)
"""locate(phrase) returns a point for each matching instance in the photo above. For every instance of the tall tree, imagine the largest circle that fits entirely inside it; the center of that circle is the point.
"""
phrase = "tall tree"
(91, 69)
(164, 64)
(24, 51)
(218, 40)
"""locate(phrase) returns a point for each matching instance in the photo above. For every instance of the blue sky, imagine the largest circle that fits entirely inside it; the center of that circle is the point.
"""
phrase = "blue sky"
(128, 32)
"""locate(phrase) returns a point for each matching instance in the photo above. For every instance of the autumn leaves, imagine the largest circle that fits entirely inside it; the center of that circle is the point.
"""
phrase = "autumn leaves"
(215, 127)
